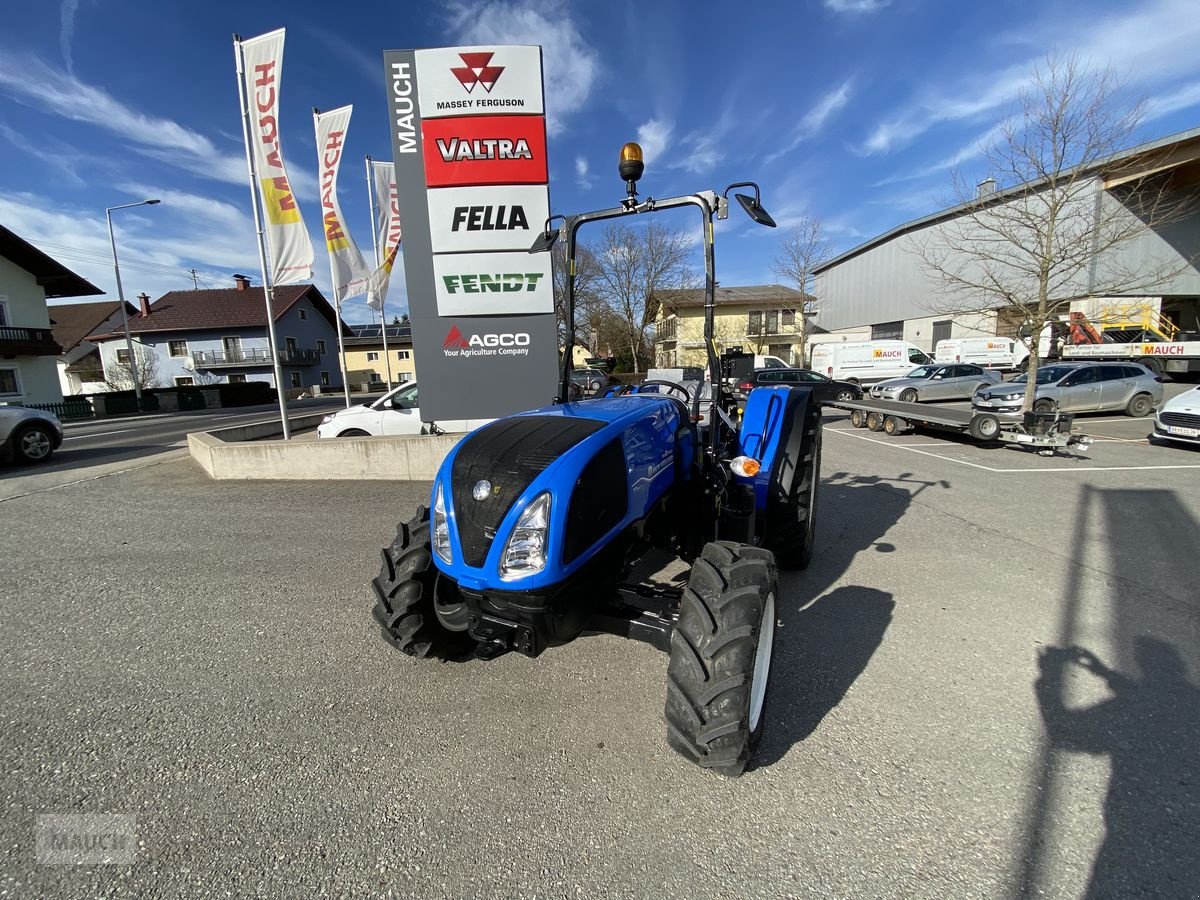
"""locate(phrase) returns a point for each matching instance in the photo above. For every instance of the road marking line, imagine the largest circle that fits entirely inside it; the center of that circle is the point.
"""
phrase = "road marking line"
(863, 437)
(84, 437)
(55, 487)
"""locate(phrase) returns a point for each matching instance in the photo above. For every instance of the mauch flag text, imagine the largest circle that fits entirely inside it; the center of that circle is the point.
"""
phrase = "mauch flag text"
(347, 266)
(387, 230)
(291, 249)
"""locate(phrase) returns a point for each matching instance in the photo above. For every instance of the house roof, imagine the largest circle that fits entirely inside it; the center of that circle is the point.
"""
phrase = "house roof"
(223, 308)
(730, 296)
(72, 322)
(370, 335)
(1123, 159)
(55, 278)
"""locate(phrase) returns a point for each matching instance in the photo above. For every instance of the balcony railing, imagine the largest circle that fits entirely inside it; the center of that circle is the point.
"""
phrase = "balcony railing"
(665, 330)
(28, 342)
(256, 357)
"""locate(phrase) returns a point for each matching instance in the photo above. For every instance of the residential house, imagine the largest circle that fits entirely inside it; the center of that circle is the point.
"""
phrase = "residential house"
(28, 352)
(365, 360)
(213, 336)
(762, 318)
(79, 368)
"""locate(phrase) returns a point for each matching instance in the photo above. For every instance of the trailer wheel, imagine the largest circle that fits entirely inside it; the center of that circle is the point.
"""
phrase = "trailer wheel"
(984, 427)
(721, 651)
(909, 396)
(858, 418)
(1141, 405)
(406, 591)
(893, 425)
(874, 421)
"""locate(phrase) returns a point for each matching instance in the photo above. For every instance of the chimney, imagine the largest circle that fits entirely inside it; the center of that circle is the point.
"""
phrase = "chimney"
(986, 188)
(144, 301)
(242, 282)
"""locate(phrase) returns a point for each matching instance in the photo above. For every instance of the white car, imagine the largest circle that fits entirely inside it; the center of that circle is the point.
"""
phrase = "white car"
(395, 413)
(28, 435)
(1179, 418)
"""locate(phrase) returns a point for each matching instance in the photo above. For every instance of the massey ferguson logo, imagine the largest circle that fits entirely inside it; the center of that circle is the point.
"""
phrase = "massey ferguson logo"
(477, 69)
(506, 343)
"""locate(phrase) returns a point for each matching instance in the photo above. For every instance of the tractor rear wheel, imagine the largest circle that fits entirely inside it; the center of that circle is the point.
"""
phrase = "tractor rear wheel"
(406, 590)
(721, 657)
(790, 533)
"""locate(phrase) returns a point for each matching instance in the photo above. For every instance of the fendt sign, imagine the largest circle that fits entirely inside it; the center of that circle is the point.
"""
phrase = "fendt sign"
(469, 142)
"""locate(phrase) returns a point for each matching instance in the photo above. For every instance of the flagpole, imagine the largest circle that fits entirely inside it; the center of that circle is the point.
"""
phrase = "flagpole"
(337, 296)
(372, 200)
(268, 288)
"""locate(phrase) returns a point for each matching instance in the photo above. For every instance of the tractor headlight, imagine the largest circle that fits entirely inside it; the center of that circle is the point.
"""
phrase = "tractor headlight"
(525, 552)
(441, 528)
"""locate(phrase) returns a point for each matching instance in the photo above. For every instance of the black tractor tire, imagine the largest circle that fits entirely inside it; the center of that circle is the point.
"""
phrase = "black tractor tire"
(845, 396)
(858, 418)
(1140, 405)
(406, 591)
(909, 396)
(33, 443)
(790, 537)
(721, 657)
(874, 421)
(984, 427)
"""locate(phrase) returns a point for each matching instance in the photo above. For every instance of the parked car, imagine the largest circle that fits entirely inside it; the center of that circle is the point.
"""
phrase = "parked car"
(1077, 387)
(592, 381)
(989, 352)
(396, 412)
(956, 382)
(1179, 418)
(826, 390)
(28, 435)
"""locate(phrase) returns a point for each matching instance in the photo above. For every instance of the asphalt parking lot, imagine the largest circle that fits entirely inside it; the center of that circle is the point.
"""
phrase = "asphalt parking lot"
(984, 686)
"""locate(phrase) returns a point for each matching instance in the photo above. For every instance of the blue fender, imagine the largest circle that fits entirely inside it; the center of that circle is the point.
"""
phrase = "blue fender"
(773, 430)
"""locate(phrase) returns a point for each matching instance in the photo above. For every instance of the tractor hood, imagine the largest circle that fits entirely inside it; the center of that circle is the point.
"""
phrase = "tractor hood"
(600, 462)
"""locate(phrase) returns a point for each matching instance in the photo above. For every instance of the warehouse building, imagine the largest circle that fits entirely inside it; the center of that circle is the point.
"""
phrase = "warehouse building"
(884, 289)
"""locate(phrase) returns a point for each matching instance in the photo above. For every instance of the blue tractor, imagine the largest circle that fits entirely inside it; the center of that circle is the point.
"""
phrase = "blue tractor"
(638, 514)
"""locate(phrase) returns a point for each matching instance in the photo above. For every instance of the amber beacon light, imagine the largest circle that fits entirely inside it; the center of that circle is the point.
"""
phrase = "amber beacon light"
(631, 166)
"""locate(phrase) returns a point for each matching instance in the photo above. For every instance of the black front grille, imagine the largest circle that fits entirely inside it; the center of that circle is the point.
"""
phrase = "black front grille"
(510, 454)
(1180, 420)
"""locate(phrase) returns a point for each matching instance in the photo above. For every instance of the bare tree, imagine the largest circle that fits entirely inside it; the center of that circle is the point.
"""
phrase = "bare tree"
(632, 265)
(118, 374)
(804, 247)
(205, 378)
(1048, 235)
(587, 305)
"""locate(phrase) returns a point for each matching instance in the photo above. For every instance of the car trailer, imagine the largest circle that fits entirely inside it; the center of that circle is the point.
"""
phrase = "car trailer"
(1045, 432)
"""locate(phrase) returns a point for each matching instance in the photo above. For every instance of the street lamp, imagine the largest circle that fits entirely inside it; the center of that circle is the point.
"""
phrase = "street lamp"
(137, 382)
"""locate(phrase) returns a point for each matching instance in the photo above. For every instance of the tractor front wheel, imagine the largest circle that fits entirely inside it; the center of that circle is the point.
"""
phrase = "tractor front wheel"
(406, 591)
(721, 657)
(790, 533)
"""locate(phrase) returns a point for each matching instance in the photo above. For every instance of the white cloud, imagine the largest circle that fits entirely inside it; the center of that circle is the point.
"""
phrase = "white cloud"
(813, 121)
(582, 178)
(569, 62)
(57, 155)
(1173, 101)
(856, 7)
(655, 136)
(66, 32)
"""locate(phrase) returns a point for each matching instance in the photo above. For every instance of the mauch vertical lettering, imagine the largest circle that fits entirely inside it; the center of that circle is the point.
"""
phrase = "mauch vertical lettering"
(402, 89)
(335, 237)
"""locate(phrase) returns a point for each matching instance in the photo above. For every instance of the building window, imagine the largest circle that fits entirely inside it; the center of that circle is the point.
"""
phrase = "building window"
(320, 346)
(773, 322)
(303, 314)
(9, 382)
(237, 378)
(403, 354)
(755, 323)
(372, 357)
(179, 348)
(3, 312)
(123, 355)
(184, 381)
(789, 318)
(324, 379)
(405, 377)
(295, 379)
(887, 331)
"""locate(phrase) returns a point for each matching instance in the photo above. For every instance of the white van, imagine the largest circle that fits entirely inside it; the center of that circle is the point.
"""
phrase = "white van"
(1001, 353)
(866, 362)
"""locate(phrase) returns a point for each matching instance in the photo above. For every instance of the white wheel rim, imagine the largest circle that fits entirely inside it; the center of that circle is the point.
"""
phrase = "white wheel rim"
(762, 662)
(36, 445)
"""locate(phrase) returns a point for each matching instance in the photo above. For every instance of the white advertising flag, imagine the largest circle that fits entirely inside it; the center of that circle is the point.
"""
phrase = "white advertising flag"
(347, 267)
(291, 249)
(387, 230)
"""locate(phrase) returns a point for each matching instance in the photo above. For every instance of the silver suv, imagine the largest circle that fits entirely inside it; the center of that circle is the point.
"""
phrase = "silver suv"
(1077, 387)
(28, 435)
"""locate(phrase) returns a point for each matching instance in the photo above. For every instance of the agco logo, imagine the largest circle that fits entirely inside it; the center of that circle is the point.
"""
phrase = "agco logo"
(504, 343)
(476, 69)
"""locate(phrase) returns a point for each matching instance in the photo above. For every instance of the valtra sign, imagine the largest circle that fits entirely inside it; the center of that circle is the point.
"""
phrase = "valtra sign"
(471, 178)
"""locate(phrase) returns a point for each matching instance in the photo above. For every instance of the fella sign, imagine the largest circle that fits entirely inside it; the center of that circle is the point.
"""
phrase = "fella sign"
(469, 143)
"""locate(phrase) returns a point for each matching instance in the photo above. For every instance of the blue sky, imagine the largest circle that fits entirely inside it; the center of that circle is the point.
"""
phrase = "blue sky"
(854, 110)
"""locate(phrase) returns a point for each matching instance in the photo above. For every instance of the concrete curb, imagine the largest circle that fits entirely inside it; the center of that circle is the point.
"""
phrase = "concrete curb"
(239, 453)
